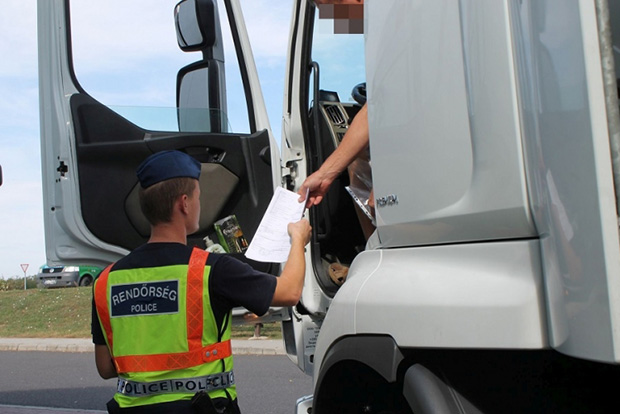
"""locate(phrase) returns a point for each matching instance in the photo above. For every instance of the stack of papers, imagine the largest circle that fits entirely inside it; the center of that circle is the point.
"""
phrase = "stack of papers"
(271, 243)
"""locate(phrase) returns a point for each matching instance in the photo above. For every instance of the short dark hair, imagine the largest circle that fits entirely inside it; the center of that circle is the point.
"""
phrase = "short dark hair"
(158, 200)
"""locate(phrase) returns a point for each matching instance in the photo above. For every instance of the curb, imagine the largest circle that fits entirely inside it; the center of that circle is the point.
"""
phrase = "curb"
(239, 346)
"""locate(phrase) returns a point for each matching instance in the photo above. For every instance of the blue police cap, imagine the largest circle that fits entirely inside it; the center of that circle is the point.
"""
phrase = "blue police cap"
(165, 165)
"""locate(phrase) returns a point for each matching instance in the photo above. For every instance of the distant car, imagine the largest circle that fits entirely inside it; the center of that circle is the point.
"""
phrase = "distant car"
(66, 276)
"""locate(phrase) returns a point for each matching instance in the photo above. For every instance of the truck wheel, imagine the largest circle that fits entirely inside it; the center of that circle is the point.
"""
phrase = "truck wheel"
(86, 280)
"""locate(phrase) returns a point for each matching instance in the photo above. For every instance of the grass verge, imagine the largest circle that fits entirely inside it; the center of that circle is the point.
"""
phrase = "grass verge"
(66, 313)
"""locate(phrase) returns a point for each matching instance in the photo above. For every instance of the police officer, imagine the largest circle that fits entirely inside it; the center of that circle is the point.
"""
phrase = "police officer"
(161, 315)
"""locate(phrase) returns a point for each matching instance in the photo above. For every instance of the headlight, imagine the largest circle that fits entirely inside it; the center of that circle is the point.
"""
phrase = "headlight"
(72, 269)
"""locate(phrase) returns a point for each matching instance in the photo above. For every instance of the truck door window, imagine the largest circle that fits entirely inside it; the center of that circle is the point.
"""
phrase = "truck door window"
(340, 55)
(126, 56)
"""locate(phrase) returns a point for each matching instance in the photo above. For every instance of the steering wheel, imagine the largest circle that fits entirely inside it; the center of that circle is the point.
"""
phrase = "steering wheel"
(359, 93)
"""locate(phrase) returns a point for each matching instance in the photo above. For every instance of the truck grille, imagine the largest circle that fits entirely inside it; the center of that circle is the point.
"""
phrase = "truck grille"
(56, 269)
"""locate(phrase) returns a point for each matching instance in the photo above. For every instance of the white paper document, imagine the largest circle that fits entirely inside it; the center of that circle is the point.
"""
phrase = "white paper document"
(271, 243)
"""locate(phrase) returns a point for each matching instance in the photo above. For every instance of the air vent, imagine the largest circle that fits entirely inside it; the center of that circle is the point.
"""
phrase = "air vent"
(335, 115)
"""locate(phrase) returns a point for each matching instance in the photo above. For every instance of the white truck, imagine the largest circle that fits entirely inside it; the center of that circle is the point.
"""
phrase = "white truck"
(492, 281)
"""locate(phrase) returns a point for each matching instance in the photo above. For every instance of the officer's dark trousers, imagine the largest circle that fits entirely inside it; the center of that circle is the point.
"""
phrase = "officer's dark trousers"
(180, 407)
(176, 407)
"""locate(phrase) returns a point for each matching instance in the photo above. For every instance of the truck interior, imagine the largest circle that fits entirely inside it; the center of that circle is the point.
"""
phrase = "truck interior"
(338, 236)
(334, 95)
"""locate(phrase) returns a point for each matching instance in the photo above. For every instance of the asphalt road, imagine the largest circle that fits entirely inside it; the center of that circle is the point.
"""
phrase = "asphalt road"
(265, 384)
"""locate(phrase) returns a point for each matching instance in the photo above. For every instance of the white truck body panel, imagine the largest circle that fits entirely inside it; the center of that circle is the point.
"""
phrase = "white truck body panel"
(569, 170)
(485, 296)
(444, 123)
(452, 111)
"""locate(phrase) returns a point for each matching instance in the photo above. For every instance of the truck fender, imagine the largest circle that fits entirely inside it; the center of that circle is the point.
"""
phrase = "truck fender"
(426, 393)
(379, 352)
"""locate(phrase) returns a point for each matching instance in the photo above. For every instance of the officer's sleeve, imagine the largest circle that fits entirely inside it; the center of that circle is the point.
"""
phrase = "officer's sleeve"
(95, 327)
(238, 284)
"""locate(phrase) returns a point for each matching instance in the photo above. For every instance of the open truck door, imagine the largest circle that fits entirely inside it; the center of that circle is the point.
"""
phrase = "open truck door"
(324, 91)
(90, 150)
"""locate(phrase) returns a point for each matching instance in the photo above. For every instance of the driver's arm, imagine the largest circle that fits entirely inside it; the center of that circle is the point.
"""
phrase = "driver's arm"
(354, 141)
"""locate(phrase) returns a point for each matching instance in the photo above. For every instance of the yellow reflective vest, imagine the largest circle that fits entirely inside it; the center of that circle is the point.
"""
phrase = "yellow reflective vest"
(162, 334)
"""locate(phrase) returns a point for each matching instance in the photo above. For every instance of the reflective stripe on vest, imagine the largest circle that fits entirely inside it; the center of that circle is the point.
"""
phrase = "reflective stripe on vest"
(196, 354)
(101, 304)
(178, 385)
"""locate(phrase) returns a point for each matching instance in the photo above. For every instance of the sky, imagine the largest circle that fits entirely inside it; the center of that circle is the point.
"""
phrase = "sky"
(21, 203)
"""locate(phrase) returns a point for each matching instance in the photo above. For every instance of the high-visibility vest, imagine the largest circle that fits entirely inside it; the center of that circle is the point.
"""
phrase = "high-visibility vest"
(162, 334)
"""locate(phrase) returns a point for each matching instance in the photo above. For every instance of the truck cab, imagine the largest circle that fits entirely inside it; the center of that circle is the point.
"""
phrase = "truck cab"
(492, 280)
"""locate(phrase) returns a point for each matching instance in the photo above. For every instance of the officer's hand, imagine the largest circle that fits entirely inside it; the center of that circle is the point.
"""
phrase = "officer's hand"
(300, 231)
